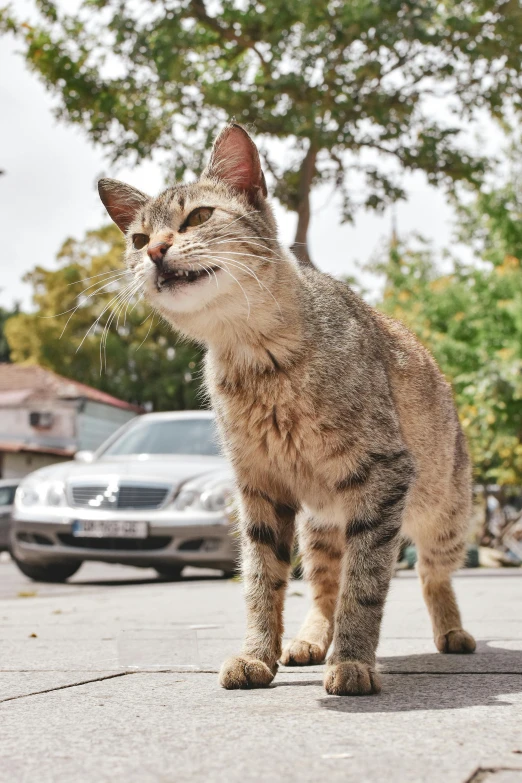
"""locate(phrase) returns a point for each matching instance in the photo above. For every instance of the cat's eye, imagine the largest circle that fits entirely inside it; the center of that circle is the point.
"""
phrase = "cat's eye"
(139, 241)
(199, 216)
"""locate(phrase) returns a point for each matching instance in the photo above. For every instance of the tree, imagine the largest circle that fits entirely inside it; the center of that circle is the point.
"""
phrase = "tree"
(471, 320)
(127, 352)
(348, 89)
(4, 316)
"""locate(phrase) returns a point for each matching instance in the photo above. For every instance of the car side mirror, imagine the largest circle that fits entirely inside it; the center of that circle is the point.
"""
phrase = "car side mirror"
(84, 456)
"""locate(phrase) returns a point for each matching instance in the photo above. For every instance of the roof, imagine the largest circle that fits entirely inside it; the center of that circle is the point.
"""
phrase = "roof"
(15, 447)
(23, 383)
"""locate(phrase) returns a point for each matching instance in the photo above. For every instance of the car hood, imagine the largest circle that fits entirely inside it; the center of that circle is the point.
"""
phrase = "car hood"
(170, 469)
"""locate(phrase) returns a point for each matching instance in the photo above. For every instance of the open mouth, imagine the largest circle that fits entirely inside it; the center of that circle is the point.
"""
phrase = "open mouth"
(173, 278)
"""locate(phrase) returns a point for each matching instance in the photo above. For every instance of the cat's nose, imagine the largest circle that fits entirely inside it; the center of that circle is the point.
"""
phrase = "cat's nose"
(157, 253)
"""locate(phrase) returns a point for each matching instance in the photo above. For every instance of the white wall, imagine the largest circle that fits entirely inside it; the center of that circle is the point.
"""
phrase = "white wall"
(77, 425)
(15, 426)
(19, 465)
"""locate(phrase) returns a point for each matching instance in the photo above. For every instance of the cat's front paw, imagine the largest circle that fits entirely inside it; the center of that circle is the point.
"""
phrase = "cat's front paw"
(300, 653)
(242, 671)
(458, 642)
(351, 678)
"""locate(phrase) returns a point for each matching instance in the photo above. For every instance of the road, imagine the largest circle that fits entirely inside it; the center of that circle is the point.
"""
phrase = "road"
(112, 677)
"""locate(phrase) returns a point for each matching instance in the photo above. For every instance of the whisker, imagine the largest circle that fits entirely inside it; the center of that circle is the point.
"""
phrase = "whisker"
(57, 315)
(148, 331)
(208, 271)
(122, 297)
(110, 272)
(140, 283)
(249, 255)
(74, 309)
(141, 278)
(124, 301)
(251, 272)
(113, 278)
(239, 265)
(245, 240)
(254, 236)
(100, 316)
(241, 217)
(105, 333)
(136, 303)
(239, 284)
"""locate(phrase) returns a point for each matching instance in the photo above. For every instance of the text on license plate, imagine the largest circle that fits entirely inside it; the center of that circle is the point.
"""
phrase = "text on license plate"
(113, 528)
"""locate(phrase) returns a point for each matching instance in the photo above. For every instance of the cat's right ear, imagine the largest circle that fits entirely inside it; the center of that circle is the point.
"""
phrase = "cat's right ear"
(235, 161)
(121, 201)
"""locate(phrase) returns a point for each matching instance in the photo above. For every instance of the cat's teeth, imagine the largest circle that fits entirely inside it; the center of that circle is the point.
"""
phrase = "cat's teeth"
(178, 274)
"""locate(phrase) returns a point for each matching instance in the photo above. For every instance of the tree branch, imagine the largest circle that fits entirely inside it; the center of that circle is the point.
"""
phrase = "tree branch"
(201, 13)
(306, 175)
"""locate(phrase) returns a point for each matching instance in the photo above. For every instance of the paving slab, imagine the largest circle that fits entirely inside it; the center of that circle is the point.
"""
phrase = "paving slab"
(18, 685)
(161, 727)
(83, 631)
(75, 709)
(162, 652)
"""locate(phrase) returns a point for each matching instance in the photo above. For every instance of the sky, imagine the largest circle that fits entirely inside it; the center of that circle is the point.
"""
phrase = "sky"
(48, 193)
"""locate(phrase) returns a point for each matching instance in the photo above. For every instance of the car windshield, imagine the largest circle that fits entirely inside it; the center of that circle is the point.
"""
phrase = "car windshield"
(167, 436)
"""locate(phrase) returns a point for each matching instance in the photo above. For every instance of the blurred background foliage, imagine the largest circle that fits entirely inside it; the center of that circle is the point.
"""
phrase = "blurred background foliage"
(5, 314)
(348, 94)
(470, 317)
(140, 360)
(355, 93)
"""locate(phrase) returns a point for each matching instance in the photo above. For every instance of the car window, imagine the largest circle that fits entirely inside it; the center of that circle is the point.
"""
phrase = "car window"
(7, 496)
(174, 436)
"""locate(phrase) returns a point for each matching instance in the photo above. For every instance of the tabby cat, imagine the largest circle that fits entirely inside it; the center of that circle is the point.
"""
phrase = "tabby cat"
(335, 418)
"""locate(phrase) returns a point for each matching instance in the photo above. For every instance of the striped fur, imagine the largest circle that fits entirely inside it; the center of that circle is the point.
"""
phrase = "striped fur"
(336, 420)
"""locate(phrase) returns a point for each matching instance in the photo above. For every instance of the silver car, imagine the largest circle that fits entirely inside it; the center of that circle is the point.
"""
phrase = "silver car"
(156, 494)
(7, 493)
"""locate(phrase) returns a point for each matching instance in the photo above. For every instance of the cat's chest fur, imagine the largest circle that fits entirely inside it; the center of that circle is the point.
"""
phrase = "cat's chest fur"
(275, 431)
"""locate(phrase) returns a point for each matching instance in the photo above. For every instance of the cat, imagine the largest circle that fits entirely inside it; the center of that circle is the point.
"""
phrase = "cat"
(334, 417)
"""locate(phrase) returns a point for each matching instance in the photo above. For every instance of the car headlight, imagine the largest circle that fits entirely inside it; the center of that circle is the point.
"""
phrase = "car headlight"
(41, 494)
(27, 495)
(214, 498)
(55, 495)
(185, 499)
(219, 499)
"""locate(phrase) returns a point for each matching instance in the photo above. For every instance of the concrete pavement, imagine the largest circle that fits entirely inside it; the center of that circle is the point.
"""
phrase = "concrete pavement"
(112, 677)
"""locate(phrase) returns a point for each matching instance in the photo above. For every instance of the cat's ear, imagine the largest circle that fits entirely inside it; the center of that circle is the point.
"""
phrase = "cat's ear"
(121, 201)
(235, 160)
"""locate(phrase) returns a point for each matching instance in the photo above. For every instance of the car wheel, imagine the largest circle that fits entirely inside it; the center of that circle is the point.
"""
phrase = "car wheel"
(49, 572)
(171, 572)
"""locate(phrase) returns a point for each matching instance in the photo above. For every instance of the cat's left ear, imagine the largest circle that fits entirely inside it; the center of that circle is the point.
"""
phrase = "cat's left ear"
(235, 160)
(121, 201)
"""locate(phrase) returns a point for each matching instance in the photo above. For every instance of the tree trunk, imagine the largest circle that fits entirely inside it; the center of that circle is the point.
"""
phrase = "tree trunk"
(300, 246)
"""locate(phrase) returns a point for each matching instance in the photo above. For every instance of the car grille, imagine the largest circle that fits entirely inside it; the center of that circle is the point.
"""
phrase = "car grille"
(126, 496)
(141, 497)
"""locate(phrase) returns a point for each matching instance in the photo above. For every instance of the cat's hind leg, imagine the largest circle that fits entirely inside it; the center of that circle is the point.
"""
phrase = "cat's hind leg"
(321, 550)
(439, 555)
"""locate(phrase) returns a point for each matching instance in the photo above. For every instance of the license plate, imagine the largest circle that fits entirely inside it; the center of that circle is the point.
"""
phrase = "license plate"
(114, 528)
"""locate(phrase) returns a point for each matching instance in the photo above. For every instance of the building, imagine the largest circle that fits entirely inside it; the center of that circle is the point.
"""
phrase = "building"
(46, 418)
